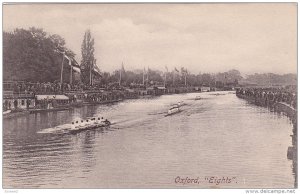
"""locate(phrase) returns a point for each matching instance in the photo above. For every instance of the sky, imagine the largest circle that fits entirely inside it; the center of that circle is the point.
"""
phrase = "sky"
(204, 38)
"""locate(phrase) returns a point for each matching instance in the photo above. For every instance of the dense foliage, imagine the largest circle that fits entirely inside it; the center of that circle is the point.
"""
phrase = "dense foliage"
(33, 55)
(88, 60)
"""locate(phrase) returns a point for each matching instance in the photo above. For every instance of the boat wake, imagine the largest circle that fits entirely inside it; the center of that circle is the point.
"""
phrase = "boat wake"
(57, 129)
(157, 113)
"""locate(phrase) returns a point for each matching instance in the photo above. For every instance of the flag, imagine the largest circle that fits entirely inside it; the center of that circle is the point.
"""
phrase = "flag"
(73, 63)
(96, 70)
(122, 68)
(76, 66)
(184, 71)
(166, 68)
(70, 61)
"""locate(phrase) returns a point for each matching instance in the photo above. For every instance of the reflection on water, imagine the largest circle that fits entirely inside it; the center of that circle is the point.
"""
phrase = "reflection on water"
(219, 135)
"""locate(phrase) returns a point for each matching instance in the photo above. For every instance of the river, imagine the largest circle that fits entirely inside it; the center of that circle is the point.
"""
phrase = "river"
(219, 136)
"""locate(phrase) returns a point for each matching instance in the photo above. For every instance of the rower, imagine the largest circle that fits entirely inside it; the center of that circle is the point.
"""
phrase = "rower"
(73, 125)
(76, 124)
(81, 124)
(98, 120)
(94, 121)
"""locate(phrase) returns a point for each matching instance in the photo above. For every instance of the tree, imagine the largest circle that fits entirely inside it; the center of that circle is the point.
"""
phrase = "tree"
(31, 55)
(88, 59)
(155, 76)
(207, 79)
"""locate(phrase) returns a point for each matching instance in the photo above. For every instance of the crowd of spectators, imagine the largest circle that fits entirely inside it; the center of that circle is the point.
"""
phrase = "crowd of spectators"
(105, 96)
(46, 87)
(56, 87)
(270, 96)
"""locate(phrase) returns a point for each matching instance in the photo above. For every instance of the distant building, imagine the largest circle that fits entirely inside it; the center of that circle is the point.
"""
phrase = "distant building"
(197, 89)
(150, 91)
(156, 90)
(205, 89)
(160, 90)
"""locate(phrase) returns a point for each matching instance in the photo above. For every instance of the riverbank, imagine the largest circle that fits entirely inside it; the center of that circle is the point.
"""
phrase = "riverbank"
(280, 107)
(21, 104)
(291, 113)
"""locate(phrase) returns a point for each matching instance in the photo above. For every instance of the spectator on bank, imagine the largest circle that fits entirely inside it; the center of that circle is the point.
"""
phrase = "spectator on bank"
(271, 95)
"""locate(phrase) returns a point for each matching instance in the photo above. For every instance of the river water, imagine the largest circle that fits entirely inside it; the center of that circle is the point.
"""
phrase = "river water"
(217, 137)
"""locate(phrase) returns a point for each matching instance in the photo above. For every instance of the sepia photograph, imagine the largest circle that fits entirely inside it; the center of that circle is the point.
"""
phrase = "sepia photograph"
(149, 96)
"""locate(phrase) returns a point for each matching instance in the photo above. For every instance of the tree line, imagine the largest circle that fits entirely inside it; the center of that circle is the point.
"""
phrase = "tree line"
(36, 56)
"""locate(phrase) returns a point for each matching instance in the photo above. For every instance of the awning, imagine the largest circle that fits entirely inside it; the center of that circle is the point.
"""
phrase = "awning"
(161, 88)
(52, 97)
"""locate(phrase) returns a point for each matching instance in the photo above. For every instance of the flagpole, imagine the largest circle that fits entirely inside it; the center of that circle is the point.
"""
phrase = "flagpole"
(166, 75)
(165, 79)
(185, 75)
(92, 72)
(147, 76)
(120, 75)
(144, 76)
(173, 78)
(71, 78)
(61, 71)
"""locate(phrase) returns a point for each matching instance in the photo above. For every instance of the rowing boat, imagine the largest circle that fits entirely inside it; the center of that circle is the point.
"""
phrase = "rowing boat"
(173, 110)
(79, 125)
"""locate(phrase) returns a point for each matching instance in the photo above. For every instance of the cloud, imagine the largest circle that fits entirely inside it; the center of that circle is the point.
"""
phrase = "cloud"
(202, 37)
